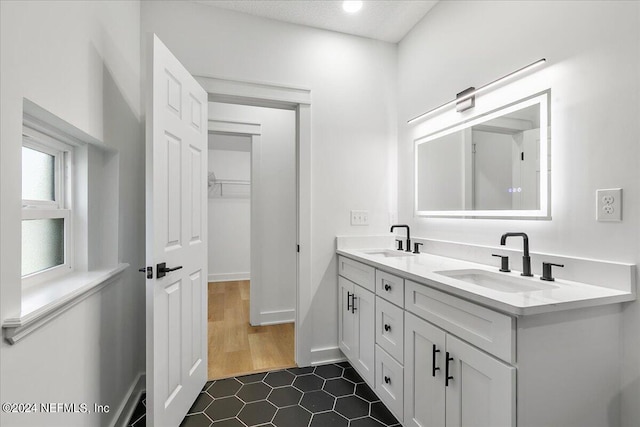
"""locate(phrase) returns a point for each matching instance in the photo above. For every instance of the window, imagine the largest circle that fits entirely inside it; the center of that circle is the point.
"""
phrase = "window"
(46, 213)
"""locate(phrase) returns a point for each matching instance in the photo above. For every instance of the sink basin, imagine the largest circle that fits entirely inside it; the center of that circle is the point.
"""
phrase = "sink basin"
(388, 253)
(497, 281)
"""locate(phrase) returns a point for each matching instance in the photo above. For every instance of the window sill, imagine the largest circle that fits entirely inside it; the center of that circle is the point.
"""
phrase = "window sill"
(42, 303)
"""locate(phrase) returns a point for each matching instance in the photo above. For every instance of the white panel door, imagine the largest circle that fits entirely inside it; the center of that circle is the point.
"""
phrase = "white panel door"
(176, 230)
(481, 392)
(424, 389)
(365, 335)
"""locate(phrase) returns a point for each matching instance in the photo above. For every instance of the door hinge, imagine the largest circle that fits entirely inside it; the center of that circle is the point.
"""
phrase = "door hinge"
(522, 156)
(298, 248)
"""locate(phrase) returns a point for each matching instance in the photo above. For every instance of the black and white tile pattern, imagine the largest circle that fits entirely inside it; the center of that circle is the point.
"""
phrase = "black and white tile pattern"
(321, 396)
(138, 418)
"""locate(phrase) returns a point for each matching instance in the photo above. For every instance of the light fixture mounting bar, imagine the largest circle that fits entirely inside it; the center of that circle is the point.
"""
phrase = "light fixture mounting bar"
(466, 99)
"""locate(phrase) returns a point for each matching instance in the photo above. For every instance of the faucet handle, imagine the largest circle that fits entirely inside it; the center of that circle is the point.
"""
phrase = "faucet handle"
(546, 271)
(416, 247)
(504, 262)
(400, 248)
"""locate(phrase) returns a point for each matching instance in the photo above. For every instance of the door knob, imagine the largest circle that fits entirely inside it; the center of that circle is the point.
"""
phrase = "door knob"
(163, 269)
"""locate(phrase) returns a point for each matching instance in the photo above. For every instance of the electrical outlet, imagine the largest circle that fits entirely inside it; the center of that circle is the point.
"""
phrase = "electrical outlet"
(359, 217)
(609, 205)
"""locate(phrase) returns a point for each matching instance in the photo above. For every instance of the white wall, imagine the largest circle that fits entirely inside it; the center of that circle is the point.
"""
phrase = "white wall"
(273, 289)
(230, 214)
(353, 90)
(81, 62)
(593, 51)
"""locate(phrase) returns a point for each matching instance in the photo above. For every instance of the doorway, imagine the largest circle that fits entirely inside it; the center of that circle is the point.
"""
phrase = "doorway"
(297, 99)
(252, 239)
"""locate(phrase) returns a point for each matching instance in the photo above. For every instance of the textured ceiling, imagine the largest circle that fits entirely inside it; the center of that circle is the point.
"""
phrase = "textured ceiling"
(387, 20)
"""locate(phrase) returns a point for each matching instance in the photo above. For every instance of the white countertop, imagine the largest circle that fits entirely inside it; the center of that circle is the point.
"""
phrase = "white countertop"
(563, 295)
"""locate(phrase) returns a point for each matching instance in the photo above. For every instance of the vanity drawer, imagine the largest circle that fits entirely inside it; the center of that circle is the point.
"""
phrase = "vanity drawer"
(486, 329)
(390, 328)
(359, 273)
(390, 287)
(390, 382)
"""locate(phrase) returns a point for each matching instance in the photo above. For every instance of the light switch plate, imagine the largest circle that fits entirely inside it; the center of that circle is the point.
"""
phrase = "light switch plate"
(359, 217)
(609, 205)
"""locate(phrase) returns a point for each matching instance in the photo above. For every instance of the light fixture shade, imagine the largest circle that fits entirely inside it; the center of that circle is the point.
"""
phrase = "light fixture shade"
(352, 6)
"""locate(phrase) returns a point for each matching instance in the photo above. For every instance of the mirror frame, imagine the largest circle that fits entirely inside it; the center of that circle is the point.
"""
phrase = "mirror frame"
(544, 212)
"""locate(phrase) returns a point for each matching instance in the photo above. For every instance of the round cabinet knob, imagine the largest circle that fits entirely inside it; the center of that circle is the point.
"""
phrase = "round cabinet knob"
(387, 327)
(387, 380)
(387, 287)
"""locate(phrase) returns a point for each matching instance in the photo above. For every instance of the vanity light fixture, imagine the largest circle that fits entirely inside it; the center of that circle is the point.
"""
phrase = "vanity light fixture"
(466, 99)
(352, 6)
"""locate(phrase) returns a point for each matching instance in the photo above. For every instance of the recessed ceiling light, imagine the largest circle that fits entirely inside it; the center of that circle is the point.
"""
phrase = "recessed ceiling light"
(352, 6)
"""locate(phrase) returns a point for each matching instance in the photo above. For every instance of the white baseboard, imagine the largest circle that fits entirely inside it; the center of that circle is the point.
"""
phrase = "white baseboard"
(320, 356)
(128, 405)
(228, 277)
(277, 317)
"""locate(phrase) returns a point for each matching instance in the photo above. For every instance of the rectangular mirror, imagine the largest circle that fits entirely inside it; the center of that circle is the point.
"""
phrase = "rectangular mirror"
(494, 165)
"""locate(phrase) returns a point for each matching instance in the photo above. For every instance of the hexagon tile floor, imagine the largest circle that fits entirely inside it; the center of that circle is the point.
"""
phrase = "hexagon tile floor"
(322, 396)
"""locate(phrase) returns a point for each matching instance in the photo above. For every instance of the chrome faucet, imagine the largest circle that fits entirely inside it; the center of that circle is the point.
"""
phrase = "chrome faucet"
(408, 235)
(526, 259)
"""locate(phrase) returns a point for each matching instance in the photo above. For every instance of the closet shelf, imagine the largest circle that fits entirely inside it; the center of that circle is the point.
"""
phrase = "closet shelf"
(217, 187)
(231, 181)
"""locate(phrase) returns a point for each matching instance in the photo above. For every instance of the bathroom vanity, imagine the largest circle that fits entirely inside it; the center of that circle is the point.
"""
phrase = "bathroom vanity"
(447, 342)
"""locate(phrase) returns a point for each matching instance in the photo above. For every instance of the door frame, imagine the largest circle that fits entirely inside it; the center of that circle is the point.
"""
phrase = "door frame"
(253, 131)
(299, 100)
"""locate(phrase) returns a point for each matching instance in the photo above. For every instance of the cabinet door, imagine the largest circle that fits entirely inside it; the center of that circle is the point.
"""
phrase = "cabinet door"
(424, 391)
(365, 318)
(346, 319)
(482, 390)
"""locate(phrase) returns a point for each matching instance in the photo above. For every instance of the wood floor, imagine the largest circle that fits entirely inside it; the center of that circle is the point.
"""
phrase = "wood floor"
(236, 347)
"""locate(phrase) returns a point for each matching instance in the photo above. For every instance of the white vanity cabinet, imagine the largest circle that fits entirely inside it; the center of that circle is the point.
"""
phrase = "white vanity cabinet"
(451, 383)
(558, 364)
